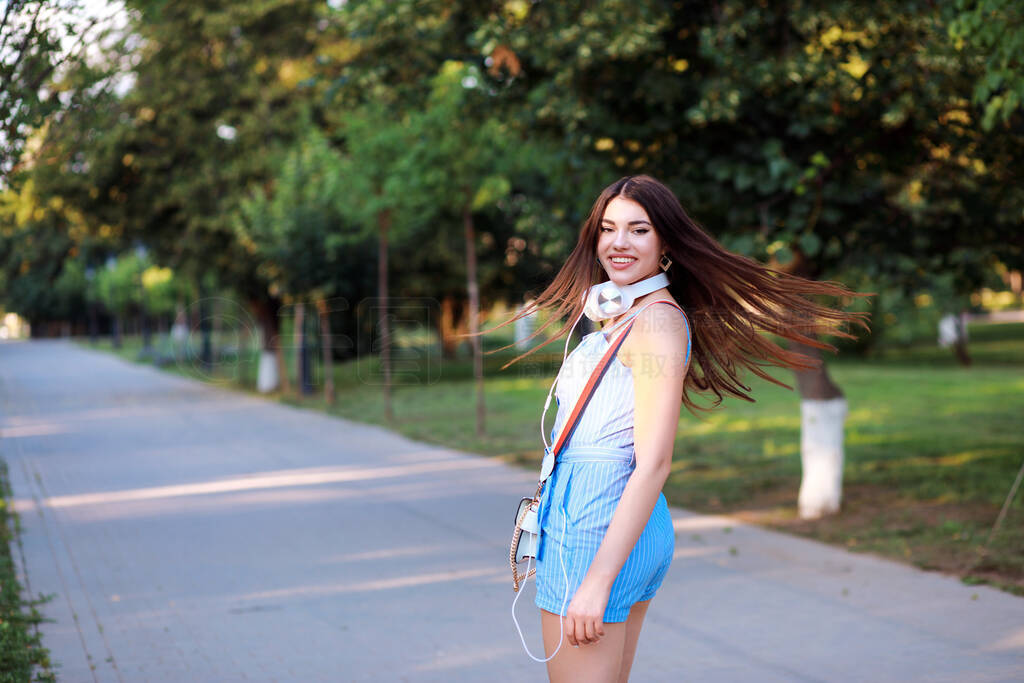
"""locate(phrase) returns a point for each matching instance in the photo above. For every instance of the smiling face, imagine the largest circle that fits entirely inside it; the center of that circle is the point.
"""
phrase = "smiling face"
(627, 245)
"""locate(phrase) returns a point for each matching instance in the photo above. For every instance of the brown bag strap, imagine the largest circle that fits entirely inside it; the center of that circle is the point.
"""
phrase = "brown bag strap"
(589, 389)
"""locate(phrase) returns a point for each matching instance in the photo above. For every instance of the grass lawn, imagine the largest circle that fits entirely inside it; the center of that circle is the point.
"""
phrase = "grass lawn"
(22, 655)
(932, 448)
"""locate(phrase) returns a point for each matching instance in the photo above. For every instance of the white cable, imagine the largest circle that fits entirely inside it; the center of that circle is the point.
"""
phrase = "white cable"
(561, 557)
(565, 601)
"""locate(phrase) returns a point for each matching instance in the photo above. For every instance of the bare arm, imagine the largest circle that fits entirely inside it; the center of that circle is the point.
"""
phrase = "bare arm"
(657, 358)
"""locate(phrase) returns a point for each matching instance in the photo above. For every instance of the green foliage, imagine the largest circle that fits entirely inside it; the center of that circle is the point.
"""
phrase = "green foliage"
(302, 232)
(216, 91)
(460, 160)
(821, 136)
(36, 37)
(295, 230)
(119, 284)
(824, 137)
(131, 283)
(377, 175)
(992, 31)
(41, 264)
(161, 290)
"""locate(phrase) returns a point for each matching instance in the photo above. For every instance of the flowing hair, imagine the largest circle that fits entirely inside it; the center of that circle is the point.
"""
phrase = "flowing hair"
(729, 299)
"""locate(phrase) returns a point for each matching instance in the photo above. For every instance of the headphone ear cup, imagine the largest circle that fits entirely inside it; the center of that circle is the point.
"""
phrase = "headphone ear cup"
(590, 308)
(606, 300)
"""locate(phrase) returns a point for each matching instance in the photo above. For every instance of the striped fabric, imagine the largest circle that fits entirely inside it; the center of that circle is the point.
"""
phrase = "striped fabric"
(582, 494)
(608, 419)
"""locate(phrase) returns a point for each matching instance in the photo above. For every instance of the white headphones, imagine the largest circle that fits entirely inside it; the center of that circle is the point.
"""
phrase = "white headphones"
(608, 300)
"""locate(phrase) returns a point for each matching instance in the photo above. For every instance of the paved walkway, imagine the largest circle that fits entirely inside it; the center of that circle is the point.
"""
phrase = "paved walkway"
(194, 534)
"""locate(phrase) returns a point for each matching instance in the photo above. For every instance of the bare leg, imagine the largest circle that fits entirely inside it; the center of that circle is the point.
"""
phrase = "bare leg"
(598, 662)
(634, 623)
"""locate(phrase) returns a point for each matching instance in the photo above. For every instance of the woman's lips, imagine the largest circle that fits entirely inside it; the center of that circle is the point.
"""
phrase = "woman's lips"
(621, 266)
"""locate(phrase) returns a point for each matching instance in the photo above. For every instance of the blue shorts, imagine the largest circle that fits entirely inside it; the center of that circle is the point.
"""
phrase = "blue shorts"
(581, 497)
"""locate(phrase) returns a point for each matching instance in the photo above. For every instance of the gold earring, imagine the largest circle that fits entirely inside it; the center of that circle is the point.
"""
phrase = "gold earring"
(665, 262)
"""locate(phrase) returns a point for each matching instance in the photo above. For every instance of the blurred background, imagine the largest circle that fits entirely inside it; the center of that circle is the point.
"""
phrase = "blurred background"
(314, 200)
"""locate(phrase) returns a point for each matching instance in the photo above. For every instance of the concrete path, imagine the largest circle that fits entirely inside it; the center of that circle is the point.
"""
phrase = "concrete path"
(190, 533)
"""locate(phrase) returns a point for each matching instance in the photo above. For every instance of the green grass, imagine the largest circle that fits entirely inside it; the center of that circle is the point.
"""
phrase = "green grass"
(931, 447)
(988, 345)
(22, 656)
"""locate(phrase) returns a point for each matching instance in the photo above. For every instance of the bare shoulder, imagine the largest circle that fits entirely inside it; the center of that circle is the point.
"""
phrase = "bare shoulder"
(659, 331)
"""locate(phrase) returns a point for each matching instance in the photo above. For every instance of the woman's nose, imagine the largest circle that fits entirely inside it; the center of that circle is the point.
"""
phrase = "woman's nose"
(620, 238)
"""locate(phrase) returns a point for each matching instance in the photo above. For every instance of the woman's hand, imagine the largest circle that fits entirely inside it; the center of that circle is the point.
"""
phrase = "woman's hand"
(584, 620)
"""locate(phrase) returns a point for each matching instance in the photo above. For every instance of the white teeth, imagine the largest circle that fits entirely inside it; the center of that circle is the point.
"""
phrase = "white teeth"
(623, 260)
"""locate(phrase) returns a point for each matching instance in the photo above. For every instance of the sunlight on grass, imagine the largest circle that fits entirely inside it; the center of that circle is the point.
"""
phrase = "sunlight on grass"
(518, 384)
(859, 438)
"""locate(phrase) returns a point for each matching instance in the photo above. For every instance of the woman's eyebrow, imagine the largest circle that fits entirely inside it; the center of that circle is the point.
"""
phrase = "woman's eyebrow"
(640, 222)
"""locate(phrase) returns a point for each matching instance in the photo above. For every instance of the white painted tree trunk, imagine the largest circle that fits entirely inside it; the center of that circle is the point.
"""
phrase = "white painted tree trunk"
(952, 330)
(821, 453)
(524, 327)
(266, 379)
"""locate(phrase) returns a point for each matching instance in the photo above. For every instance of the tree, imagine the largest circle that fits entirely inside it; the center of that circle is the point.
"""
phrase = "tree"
(382, 198)
(297, 231)
(161, 294)
(167, 163)
(119, 287)
(992, 31)
(825, 138)
(37, 38)
(461, 162)
(45, 255)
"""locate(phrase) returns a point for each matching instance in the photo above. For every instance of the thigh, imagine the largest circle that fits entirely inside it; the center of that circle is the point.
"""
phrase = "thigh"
(598, 662)
(633, 625)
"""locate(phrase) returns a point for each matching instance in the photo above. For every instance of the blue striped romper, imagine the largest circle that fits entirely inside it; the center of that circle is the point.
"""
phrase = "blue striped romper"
(585, 488)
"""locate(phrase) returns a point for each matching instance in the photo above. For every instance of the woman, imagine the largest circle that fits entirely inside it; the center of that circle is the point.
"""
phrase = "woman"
(606, 534)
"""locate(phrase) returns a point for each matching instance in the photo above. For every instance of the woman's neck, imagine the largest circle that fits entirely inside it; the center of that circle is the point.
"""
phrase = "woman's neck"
(653, 296)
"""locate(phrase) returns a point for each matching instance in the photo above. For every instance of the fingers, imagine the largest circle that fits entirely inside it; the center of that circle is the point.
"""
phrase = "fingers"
(570, 631)
(583, 630)
(590, 630)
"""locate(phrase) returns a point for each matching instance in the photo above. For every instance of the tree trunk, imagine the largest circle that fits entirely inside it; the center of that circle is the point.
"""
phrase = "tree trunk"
(244, 336)
(823, 411)
(299, 344)
(117, 331)
(953, 333)
(279, 360)
(217, 342)
(180, 332)
(271, 373)
(960, 345)
(960, 351)
(204, 327)
(94, 323)
(194, 316)
(325, 336)
(383, 226)
(451, 323)
(147, 333)
(267, 376)
(473, 289)
(524, 327)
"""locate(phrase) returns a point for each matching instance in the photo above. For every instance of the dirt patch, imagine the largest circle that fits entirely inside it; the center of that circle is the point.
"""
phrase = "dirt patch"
(948, 537)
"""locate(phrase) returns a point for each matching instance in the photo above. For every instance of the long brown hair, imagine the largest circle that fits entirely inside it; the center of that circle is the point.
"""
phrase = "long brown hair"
(728, 298)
